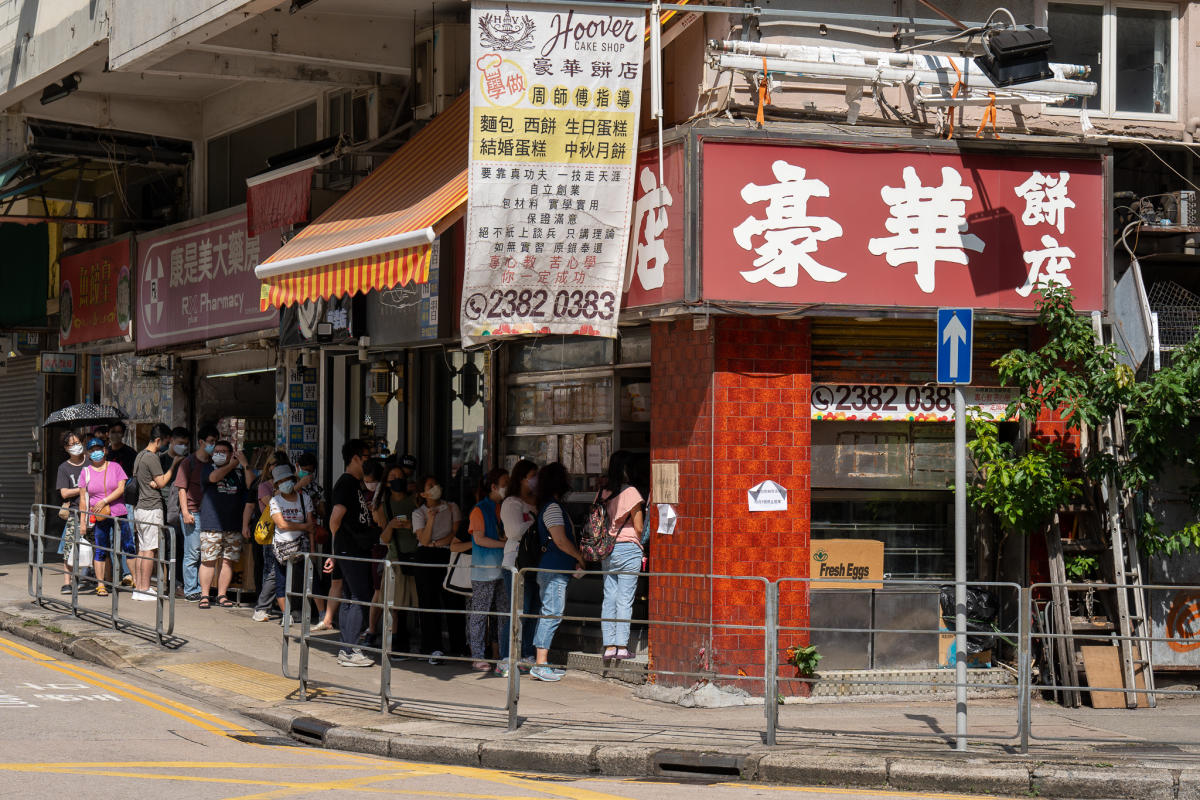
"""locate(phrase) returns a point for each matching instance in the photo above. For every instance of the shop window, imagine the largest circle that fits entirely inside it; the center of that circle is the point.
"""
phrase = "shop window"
(1130, 49)
(917, 529)
(348, 115)
(897, 455)
(236, 156)
(576, 400)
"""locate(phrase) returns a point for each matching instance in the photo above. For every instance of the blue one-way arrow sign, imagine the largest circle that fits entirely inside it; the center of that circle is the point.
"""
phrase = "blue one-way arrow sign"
(954, 341)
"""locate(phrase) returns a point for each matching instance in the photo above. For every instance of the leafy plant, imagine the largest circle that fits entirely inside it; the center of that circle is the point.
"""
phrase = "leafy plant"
(1082, 383)
(1081, 568)
(804, 659)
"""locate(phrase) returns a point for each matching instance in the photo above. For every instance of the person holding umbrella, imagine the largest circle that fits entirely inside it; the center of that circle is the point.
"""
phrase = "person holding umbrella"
(101, 489)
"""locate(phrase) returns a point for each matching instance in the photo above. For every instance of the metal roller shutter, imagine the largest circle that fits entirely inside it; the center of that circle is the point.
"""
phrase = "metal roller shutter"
(901, 351)
(20, 398)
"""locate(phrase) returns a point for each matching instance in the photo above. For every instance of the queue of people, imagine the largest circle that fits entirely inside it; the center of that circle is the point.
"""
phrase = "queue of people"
(375, 512)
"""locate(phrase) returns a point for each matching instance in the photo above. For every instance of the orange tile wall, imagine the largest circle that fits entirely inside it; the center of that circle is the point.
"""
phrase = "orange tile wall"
(731, 407)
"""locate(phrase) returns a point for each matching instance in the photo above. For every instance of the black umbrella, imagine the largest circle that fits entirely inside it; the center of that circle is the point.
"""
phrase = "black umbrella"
(85, 414)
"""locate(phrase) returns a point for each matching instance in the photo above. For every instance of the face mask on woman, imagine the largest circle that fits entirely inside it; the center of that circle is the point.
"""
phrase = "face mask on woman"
(220, 459)
(532, 481)
(397, 486)
(302, 473)
(180, 449)
(434, 493)
(287, 487)
(75, 450)
(97, 455)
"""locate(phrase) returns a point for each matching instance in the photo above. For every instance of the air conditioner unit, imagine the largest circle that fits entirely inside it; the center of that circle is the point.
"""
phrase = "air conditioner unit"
(441, 62)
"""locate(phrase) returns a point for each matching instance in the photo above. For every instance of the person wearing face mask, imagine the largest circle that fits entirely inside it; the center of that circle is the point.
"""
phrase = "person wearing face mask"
(189, 483)
(225, 512)
(373, 475)
(353, 534)
(150, 513)
(118, 450)
(487, 553)
(517, 513)
(435, 522)
(67, 484)
(307, 483)
(293, 518)
(396, 516)
(102, 487)
(266, 607)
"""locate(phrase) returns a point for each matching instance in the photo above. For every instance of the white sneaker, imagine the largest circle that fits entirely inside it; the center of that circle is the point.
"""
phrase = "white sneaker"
(435, 657)
(145, 597)
(354, 658)
(260, 616)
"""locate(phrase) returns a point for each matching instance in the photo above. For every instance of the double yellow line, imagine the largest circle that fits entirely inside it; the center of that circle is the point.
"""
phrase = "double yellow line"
(192, 716)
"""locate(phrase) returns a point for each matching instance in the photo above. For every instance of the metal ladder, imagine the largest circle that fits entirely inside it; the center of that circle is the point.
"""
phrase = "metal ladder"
(1133, 624)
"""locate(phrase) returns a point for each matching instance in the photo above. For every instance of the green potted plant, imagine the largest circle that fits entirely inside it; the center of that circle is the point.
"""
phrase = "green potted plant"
(804, 658)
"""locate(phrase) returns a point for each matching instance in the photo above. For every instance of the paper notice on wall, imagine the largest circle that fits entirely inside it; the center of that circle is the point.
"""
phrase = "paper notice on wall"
(666, 519)
(768, 496)
(555, 98)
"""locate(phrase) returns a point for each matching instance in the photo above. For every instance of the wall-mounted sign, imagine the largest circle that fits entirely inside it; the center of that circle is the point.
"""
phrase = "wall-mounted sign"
(855, 563)
(57, 363)
(95, 294)
(314, 323)
(555, 98)
(196, 281)
(767, 496)
(655, 268)
(801, 225)
(900, 403)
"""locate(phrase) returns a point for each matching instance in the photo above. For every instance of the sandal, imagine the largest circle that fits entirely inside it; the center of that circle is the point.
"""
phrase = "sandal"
(622, 654)
(101, 590)
(225, 602)
(610, 653)
(204, 602)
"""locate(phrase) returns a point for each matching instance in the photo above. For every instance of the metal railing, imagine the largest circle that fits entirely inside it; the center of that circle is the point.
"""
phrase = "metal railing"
(163, 579)
(1180, 622)
(946, 628)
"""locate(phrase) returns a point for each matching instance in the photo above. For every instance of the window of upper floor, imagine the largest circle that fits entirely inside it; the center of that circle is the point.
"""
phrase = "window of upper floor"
(1132, 49)
(236, 156)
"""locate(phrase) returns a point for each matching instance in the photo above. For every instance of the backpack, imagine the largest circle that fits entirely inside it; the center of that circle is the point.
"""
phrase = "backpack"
(529, 551)
(599, 532)
(131, 485)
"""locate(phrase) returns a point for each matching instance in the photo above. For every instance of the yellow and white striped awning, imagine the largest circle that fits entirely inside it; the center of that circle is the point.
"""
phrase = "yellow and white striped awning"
(379, 234)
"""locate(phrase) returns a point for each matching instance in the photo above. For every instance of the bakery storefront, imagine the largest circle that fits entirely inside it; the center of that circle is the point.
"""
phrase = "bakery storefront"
(791, 286)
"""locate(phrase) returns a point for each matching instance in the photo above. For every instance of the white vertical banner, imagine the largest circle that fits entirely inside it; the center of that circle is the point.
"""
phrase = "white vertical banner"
(555, 97)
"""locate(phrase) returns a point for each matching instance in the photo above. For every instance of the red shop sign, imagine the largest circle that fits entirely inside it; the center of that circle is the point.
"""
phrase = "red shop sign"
(655, 267)
(800, 225)
(96, 293)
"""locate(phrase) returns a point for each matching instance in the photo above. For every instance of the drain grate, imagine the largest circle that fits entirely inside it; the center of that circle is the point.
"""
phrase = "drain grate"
(310, 730)
(698, 766)
(273, 741)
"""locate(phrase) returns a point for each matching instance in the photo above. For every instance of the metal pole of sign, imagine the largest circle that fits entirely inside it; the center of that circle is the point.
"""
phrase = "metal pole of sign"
(960, 569)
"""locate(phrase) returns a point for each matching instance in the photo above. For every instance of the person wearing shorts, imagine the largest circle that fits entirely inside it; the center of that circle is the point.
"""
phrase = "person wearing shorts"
(225, 512)
(150, 513)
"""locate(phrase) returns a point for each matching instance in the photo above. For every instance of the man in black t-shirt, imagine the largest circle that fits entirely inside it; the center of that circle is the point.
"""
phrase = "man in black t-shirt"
(351, 527)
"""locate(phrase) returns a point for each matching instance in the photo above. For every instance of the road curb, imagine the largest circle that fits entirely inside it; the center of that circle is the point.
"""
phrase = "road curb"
(954, 773)
(82, 648)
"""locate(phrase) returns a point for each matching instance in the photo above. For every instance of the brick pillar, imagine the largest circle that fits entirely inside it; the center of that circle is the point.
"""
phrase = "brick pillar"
(755, 373)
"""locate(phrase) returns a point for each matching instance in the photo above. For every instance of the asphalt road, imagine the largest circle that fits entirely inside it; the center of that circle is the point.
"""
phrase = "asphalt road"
(73, 731)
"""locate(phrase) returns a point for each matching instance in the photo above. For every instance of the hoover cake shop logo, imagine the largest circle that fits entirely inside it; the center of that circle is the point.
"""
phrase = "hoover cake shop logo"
(506, 32)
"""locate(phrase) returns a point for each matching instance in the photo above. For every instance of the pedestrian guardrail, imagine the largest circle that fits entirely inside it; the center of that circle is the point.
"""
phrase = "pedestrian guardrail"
(69, 547)
(1179, 612)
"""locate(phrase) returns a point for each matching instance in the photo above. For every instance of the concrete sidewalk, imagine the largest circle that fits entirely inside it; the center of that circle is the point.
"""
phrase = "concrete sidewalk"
(585, 724)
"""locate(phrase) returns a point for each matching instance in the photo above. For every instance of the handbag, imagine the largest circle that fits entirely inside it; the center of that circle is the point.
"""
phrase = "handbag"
(458, 574)
(264, 530)
(289, 550)
(84, 553)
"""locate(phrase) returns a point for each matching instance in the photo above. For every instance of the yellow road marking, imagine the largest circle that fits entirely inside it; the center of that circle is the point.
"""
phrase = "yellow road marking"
(246, 681)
